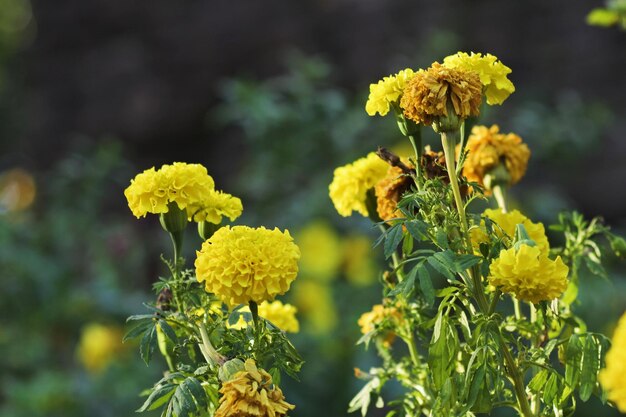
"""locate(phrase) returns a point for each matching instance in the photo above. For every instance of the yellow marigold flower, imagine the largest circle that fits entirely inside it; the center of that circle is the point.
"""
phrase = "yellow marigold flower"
(359, 265)
(321, 250)
(488, 148)
(492, 73)
(508, 221)
(529, 274)
(280, 315)
(315, 301)
(351, 182)
(429, 94)
(387, 91)
(213, 206)
(242, 264)
(613, 376)
(99, 345)
(251, 393)
(180, 183)
(379, 314)
(389, 191)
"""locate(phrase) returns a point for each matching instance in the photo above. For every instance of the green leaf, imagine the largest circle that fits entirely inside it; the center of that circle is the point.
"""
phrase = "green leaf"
(407, 285)
(442, 351)
(148, 343)
(590, 368)
(158, 397)
(573, 357)
(594, 266)
(418, 229)
(361, 400)
(441, 268)
(537, 383)
(426, 285)
(138, 330)
(392, 239)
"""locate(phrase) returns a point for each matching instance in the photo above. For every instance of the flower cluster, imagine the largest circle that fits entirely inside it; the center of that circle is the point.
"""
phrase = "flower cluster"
(379, 315)
(242, 264)
(492, 73)
(488, 149)
(351, 182)
(387, 92)
(250, 393)
(529, 274)
(613, 376)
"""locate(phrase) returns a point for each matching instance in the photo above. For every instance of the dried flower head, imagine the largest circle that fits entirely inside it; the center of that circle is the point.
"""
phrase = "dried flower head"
(250, 393)
(432, 93)
(389, 191)
(529, 274)
(488, 148)
(613, 376)
(348, 191)
(386, 92)
(492, 73)
(242, 264)
(180, 183)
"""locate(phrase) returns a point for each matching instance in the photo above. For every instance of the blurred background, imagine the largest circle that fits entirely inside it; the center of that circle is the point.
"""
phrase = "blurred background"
(270, 97)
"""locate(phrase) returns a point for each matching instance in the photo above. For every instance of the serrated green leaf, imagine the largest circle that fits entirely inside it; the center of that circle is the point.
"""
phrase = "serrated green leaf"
(441, 268)
(573, 358)
(418, 229)
(392, 239)
(197, 392)
(442, 239)
(168, 331)
(590, 367)
(158, 397)
(426, 285)
(148, 344)
(140, 317)
(138, 330)
(595, 267)
(406, 286)
(537, 383)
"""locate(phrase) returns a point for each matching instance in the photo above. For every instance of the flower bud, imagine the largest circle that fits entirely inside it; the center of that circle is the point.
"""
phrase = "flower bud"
(206, 229)
(174, 220)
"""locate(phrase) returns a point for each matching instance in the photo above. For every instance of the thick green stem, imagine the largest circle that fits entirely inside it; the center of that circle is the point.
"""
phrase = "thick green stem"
(517, 379)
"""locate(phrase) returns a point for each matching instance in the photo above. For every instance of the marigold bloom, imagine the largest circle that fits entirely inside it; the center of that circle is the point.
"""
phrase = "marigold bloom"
(99, 345)
(242, 264)
(429, 93)
(348, 191)
(321, 250)
(507, 223)
(314, 300)
(180, 183)
(492, 73)
(613, 376)
(379, 314)
(359, 264)
(389, 191)
(250, 393)
(488, 148)
(280, 315)
(387, 91)
(529, 274)
(214, 206)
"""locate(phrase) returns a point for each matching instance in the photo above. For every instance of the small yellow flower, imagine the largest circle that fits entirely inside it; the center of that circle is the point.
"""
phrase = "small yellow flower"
(251, 393)
(280, 315)
(429, 94)
(507, 223)
(99, 345)
(379, 315)
(321, 250)
(180, 183)
(348, 191)
(214, 206)
(387, 91)
(492, 73)
(613, 376)
(488, 148)
(242, 264)
(529, 274)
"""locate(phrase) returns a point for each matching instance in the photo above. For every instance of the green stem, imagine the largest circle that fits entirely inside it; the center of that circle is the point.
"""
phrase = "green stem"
(206, 347)
(416, 142)
(410, 342)
(500, 195)
(516, 308)
(254, 310)
(517, 380)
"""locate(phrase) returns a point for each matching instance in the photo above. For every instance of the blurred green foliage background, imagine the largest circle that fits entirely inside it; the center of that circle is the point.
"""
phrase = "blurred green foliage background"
(74, 261)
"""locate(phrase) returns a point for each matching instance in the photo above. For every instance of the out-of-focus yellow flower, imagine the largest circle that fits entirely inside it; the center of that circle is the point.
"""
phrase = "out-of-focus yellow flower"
(280, 315)
(180, 183)
(17, 190)
(321, 250)
(379, 315)
(507, 223)
(213, 206)
(387, 91)
(315, 303)
(242, 264)
(348, 191)
(613, 376)
(492, 73)
(429, 94)
(602, 17)
(99, 345)
(251, 393)
(488, 148)
(389, 191)
(359, 264)
(529, 274)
